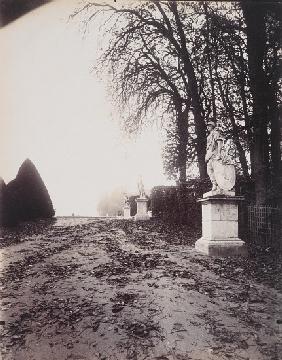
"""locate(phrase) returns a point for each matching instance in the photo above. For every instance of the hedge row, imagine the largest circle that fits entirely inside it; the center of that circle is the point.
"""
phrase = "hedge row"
(179, 203)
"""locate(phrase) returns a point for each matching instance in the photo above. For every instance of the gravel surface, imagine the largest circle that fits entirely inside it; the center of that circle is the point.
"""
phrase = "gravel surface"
(78, 288)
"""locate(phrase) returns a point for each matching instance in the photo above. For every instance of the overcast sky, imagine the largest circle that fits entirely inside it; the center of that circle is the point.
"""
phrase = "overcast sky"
(57, 113)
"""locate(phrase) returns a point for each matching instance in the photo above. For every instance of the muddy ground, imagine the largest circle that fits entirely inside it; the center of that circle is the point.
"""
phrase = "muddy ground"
(115, 289)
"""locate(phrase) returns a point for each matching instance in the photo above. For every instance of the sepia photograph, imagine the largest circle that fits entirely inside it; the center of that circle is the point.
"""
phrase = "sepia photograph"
(140, 180)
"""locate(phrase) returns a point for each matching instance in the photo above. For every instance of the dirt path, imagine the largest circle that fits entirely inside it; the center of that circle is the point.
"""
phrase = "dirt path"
(114, 289)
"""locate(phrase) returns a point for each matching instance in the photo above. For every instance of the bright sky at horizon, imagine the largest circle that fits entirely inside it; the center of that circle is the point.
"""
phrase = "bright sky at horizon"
(58, 114)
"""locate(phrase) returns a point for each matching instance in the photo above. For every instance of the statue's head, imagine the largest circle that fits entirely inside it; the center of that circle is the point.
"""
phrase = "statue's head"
(210, 125)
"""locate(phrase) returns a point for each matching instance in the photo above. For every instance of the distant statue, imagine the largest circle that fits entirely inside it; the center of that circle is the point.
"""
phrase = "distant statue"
(219, 159)
(126, 200)
(141, 188)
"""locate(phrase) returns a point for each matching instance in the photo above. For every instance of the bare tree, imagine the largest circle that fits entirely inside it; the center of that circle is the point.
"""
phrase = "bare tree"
(208, 60)
(151, 67)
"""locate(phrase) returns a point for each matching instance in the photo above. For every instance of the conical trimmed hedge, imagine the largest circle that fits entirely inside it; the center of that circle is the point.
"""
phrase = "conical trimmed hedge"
(26, 197)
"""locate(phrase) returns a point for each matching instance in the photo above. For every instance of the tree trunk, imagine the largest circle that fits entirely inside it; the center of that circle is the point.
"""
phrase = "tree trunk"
(241, 152)
(255, 21)
(209, 49)
(273, 98)
(182, 132)
(235, 133)
(200, 128)
(200, 125)
(275, 136)
(241, 81)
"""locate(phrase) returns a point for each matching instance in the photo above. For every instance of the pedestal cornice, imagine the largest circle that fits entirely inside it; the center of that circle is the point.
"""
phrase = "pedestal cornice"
(221, 198)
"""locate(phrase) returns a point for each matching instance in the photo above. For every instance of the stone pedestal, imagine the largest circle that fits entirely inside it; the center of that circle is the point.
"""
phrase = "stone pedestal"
(219, 193)
(142, 208)
(126, 212)
(220, 226)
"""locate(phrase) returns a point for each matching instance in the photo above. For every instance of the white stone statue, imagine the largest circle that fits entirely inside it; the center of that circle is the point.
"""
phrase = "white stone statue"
(141, 187)
(220, 161)
(126, 200)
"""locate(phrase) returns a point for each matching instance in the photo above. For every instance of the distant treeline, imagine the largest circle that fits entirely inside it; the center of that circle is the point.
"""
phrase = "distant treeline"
(25, 198)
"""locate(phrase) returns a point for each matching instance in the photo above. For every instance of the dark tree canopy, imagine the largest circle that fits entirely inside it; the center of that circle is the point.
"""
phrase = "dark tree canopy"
(10, 10)
(26, 197)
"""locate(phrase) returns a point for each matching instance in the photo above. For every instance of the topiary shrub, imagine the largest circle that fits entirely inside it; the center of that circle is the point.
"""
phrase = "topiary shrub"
(26, 197)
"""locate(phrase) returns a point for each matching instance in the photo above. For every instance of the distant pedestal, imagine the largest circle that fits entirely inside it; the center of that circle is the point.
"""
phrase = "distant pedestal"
(142, 208)
(126, 212)
(220, 226)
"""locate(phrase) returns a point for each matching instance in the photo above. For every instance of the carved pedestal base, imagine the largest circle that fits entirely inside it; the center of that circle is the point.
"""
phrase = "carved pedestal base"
(220, 227)
(142, 208)
(126, 212)
(221, 247)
